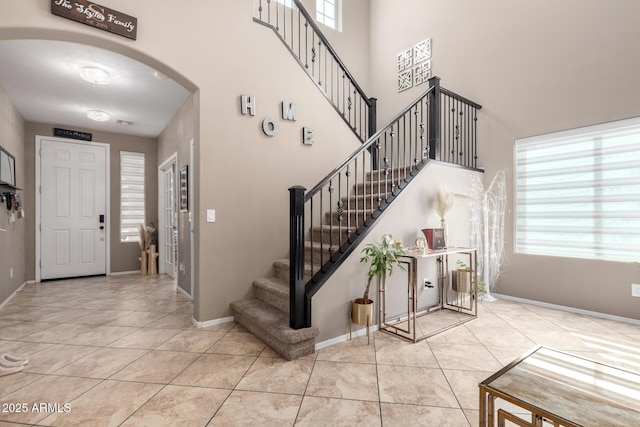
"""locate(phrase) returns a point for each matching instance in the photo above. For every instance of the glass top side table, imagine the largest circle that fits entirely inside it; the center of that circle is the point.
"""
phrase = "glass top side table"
(561, 389)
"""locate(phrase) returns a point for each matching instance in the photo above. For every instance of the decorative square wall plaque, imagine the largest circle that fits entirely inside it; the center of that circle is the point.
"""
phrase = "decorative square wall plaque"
(404, 60)
(422, 51)
(422, 73)
(405, 80)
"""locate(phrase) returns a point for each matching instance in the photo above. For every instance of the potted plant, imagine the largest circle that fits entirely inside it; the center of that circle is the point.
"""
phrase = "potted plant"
(381, 257)
(461, 280)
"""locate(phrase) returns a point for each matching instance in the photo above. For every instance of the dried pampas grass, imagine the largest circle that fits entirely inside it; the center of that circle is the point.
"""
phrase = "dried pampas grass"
(444, 201)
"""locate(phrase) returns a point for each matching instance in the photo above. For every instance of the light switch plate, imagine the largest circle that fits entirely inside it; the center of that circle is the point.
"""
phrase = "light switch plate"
(211, 215)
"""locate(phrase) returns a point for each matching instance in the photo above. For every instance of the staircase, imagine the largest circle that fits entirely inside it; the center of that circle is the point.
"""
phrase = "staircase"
(329, 221)
(267, 315)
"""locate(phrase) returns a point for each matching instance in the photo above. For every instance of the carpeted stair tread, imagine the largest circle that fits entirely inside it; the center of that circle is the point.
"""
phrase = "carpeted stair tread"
(282, 268)
(273, 291)
(272, 327)
(373, 175)
(273, 285)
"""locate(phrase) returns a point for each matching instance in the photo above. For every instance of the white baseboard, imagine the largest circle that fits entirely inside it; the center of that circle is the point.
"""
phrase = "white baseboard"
(12, 296)
(362, 332)
(189, 297)
(212, 322)
(569, 309)
(123, 273)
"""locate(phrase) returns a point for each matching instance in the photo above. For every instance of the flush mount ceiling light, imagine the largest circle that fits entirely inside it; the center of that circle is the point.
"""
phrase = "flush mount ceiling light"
(158, 75)
(95, 75)
(98, 116)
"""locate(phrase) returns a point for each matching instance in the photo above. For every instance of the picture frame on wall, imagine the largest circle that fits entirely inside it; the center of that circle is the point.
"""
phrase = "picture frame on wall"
(184, 189)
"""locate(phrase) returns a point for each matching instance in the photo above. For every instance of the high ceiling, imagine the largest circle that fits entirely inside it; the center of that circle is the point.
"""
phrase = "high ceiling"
(42, 79)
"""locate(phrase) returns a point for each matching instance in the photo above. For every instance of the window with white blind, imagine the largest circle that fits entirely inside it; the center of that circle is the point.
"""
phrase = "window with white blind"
(288, 3)
(131, 195)
(328, 13)
(578, 192)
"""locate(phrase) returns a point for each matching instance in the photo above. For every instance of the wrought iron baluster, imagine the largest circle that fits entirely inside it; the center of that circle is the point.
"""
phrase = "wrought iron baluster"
(467, 127)
(339, 210)
(331, 188)
(349, 102)
(269, 11)
(415, 140)
(475, 132)
(277, 18)
(320, 215)
(311, 224)
(348, 175)
(391, 135)
(299, 36)
(343, 98)
(313, 54)
(260, 11)
(306, 44)
(355, 186)
(320, 63)
(364, 187)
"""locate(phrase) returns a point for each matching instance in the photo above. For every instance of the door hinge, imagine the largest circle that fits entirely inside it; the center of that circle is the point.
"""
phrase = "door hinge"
(40, 262)
(40, 225)
(40, 189)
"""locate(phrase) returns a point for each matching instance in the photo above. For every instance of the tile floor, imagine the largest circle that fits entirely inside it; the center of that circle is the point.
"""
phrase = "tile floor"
(123, 351)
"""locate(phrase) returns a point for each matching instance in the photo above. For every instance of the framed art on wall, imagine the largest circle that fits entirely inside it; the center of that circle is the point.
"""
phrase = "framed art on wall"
(184, 189)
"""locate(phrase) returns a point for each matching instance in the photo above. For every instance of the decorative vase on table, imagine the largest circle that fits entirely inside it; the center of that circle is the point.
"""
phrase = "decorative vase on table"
(445, 230)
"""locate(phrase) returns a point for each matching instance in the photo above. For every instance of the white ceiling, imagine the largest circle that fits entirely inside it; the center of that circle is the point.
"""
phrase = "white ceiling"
(42, 80)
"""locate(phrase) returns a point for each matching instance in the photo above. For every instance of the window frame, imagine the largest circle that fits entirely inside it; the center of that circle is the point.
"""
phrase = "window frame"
(127, 235)
(598, 149)
(321, 16)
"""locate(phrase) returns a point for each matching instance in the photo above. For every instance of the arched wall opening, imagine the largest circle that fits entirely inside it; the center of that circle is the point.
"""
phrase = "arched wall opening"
(190, 140)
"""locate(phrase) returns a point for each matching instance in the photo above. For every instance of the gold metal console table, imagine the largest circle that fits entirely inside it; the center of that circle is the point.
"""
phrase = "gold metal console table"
(553, 388)
(465, 303)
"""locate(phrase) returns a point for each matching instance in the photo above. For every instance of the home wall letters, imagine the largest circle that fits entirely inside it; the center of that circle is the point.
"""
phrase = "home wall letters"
(269, 125)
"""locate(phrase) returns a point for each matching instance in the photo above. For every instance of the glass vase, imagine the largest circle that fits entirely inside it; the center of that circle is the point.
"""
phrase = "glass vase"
(445, 231)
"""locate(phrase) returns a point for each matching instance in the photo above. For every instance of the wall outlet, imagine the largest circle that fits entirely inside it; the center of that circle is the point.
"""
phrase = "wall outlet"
(635, 290)
(426, 283)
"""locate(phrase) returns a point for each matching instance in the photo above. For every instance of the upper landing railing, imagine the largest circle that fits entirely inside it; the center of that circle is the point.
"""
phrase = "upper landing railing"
(302, 37)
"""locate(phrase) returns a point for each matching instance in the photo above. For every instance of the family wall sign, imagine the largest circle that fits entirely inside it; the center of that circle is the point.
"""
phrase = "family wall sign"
(96, 16)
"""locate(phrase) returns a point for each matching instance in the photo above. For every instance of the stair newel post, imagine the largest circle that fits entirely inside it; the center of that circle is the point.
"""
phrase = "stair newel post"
(296, 250)
(434, 118)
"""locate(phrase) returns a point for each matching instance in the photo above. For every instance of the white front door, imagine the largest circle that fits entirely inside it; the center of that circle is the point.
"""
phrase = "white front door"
(170, 221)
(72, 209)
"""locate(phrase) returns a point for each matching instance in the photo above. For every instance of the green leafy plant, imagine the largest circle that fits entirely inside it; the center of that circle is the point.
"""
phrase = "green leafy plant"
(381, 257)
(481, 286)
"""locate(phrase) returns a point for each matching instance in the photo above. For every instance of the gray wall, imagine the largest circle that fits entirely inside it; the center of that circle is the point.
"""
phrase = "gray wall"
(175, 138)
(536, 67)
(13, 242)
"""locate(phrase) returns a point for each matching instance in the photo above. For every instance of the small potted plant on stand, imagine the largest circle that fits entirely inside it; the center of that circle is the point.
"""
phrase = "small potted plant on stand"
(381, 257)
